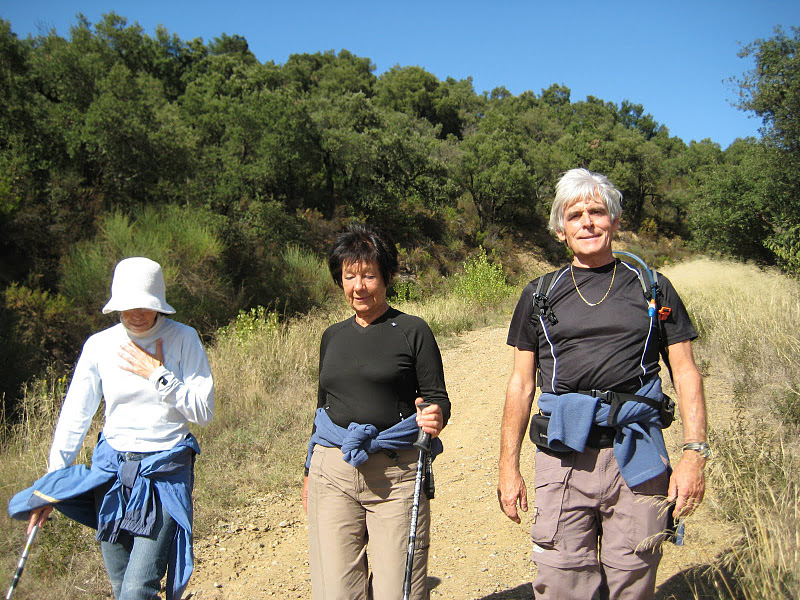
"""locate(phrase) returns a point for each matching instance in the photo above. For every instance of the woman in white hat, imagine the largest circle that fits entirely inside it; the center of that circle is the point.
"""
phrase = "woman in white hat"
(155, 379)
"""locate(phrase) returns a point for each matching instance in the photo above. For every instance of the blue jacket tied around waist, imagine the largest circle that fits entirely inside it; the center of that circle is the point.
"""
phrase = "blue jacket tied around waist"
(359, 441)
(638, 443)
(71, 491)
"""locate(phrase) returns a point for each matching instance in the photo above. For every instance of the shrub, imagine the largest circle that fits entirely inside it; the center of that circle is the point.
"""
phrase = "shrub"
(182, 240)
(37, 329)
(249, 323)
(306, 282)
(405, 291)
(482, 282)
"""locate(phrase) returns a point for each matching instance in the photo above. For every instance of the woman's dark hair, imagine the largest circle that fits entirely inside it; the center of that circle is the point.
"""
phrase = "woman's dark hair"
(362, 243)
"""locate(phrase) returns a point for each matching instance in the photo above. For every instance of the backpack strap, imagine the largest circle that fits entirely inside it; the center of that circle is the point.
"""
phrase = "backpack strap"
(541, 303)
(652, 293)
(542, 309)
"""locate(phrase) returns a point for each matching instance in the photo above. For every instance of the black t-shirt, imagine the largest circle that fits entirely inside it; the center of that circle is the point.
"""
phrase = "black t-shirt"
(372, 375)
(610, 346)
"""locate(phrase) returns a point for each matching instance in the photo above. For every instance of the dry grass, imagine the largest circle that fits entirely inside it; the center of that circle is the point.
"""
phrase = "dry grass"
(265, 397)
(64, 562)
(749, 320)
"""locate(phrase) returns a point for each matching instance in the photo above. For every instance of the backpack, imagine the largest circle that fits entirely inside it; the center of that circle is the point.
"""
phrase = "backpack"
(652, 293)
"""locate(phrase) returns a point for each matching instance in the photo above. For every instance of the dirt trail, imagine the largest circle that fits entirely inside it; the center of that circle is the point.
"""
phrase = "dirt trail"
(476, 552)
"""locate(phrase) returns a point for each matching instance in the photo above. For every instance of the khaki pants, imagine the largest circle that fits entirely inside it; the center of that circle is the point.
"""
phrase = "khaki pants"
(348, 506)
(593, 536)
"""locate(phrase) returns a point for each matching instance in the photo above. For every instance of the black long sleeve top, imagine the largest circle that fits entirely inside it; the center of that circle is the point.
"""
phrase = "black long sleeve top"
(373, 374)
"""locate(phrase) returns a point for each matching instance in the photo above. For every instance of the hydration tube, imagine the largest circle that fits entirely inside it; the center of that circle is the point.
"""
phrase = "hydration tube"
(651, 275)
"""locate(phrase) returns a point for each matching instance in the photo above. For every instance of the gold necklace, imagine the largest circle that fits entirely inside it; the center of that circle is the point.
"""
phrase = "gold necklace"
(614, 272)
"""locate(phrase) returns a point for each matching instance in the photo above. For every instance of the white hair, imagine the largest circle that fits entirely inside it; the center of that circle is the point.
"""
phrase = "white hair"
(579, 184)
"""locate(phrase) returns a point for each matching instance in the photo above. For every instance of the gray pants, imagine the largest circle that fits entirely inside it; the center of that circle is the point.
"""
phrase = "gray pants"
(593, 536)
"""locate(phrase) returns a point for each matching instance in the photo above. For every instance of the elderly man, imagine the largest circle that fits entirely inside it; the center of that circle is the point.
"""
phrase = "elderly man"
(602, 477)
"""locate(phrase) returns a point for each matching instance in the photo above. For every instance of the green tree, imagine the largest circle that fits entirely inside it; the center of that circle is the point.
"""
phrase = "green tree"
(633, 116)
(730, 211)
(635, 166)
(136, 144)
(327, 72)
(772, 90)
(410, 90)
(556, 95)
(490, 169)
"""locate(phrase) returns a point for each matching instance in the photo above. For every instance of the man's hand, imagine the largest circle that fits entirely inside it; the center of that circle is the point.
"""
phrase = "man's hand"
(511, 489)
(304, 494)
(687, 484)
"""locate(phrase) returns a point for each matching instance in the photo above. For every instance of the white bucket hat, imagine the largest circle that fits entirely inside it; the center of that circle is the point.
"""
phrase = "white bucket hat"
(138, 283)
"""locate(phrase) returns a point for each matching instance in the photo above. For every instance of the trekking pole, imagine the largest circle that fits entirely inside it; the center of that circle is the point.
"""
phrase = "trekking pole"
(423, 444)
(22, 560)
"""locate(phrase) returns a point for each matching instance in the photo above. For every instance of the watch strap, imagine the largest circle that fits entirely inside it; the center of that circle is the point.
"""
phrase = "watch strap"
(701, 447)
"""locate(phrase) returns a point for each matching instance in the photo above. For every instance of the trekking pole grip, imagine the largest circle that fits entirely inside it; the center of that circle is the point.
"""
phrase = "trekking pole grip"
(423, 443)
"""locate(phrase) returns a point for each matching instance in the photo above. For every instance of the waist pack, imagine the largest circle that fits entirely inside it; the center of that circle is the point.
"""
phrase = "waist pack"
(599, 436)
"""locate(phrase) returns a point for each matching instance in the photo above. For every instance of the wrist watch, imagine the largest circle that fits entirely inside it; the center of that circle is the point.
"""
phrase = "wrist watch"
(702, 447)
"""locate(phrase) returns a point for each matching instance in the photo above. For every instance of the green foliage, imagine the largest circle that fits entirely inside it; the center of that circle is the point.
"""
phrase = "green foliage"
(305, 280)
(248, 323)
(268, 264)
(37, 329)
(772, 90)
(405, 291)
(727, 215)
(134, 140)
(482, 282)
(255, 165)
(182, 240)
(785, 245)
(490, 168)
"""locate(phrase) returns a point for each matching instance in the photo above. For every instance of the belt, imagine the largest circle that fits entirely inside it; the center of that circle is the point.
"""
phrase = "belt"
(136, 456)
(665, 407)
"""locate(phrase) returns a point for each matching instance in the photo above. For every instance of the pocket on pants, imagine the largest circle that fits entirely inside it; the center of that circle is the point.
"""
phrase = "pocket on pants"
(549, 480)
(317, 458)
(648, 514)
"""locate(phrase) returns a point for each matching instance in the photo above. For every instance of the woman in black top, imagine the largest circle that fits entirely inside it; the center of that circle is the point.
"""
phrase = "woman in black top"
(374, 368)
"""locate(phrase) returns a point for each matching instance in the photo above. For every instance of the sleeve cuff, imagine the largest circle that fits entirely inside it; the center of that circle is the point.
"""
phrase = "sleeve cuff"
(160, 377)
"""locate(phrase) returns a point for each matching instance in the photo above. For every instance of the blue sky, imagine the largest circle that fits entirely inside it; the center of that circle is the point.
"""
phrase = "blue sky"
(674, 57)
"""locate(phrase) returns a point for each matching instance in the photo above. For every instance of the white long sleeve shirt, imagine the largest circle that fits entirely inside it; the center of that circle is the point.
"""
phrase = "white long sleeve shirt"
(141, 415)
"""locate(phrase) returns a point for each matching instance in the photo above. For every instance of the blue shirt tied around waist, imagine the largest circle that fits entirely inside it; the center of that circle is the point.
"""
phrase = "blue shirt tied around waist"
(359, 441)
(71, 491)
(638, 443)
